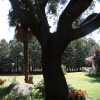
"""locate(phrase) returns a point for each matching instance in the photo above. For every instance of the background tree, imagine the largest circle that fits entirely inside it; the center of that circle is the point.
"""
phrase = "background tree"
(35, 55)
(32, 14)
(68, 58)
(4, 53)
(75, 54)
(24, 35)
(79, 54)
(15, 49)
(4, 49)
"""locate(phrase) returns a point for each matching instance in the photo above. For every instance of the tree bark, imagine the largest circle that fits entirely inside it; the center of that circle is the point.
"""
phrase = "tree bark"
(55, 82)
(26, 61)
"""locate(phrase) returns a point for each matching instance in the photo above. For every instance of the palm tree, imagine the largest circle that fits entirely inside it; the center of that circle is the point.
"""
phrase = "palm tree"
(24, 35)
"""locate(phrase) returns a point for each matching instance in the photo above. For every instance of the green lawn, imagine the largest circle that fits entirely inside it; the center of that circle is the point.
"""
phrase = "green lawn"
(81, 81)
(78, 80)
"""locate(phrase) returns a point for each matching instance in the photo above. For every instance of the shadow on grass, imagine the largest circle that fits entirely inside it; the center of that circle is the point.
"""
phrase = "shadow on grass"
(94, 79)
(4, 91)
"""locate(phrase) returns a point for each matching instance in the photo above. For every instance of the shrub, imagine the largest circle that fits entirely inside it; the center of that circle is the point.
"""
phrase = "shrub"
(75, 94)
(16, 96)
(39, 90)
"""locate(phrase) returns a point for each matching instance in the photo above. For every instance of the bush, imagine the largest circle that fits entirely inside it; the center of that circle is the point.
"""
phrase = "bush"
(39, 90)
(16, 96)
(75, 94)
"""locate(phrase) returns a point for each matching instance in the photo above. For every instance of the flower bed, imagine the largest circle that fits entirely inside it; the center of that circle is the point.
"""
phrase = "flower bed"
(39, 90)
(74, 94)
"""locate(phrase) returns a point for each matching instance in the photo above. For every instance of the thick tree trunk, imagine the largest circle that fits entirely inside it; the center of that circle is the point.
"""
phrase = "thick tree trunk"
(55, 83)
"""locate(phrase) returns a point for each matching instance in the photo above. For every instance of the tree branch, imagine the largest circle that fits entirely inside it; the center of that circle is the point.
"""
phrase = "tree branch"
(64, 30)
(90, 24)
(86, 27)
(74, 9)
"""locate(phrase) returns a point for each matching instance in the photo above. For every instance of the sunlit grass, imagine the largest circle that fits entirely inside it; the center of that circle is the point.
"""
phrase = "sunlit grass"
(81, 81)
(20, 79)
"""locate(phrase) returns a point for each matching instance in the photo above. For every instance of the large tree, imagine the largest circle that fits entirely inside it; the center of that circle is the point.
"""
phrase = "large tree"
(32, 14)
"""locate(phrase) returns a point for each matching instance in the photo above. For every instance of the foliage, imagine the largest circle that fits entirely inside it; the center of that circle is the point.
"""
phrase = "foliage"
(39, 90)
(4, 49)
(38, 93)
(35, 54)
(4, 54)
(16, 96)
(15, 46)
(76, 52)
(79, 55)
(73, 56)
(75, 94)
(15, 49)
(16, 56)
(5, 90)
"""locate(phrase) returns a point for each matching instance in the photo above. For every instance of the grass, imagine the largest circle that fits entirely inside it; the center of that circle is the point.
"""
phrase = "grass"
(20, 79)
(81, 81)
(78, 80)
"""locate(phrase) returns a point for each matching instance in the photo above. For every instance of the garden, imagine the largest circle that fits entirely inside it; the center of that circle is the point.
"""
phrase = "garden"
(81, 87)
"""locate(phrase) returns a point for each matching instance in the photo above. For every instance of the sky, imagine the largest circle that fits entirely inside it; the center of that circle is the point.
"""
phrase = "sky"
(6, 32)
